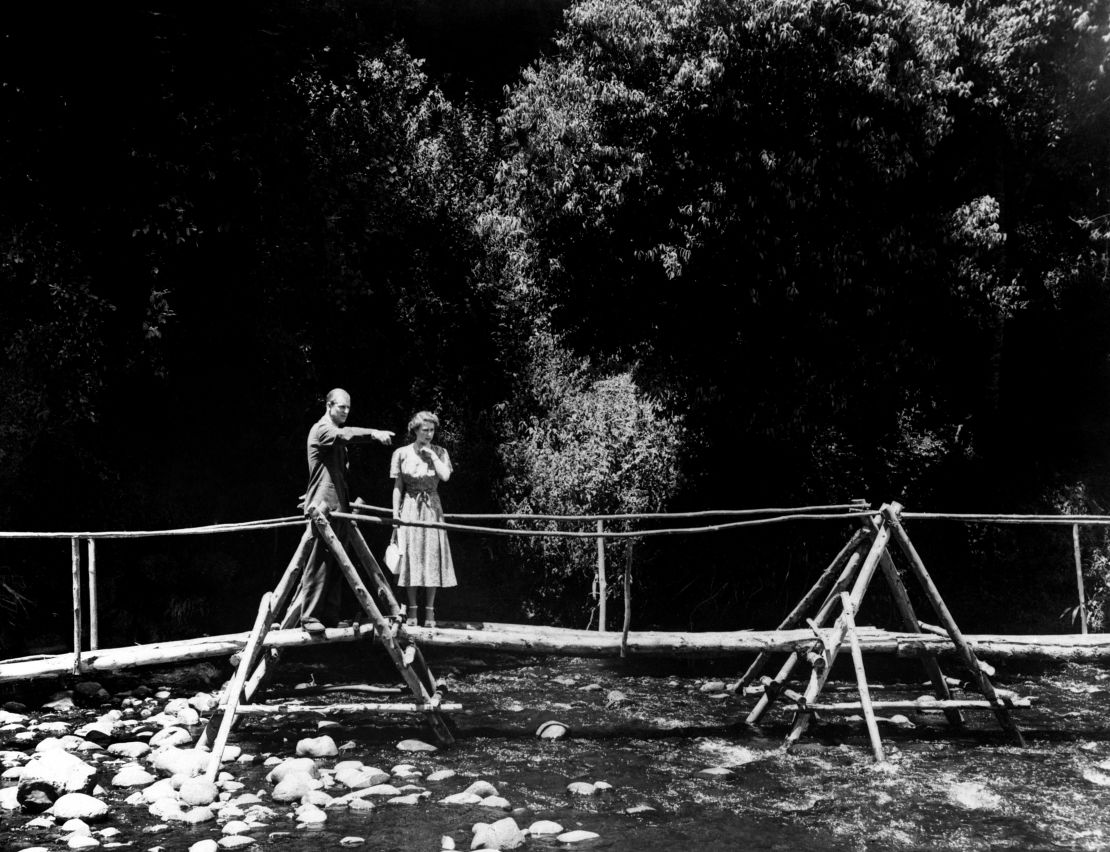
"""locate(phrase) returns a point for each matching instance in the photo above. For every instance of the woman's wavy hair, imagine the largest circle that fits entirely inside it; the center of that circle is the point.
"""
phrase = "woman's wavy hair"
(420, 418)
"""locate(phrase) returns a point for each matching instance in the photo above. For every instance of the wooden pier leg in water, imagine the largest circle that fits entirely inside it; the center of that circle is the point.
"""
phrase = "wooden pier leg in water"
(891, 514)
(264, 662)
(798, 613)
(423, 689)
(823, 664)
(842, 582)
(912, 625)
(235, 687)
(861, 680)
(602, 582)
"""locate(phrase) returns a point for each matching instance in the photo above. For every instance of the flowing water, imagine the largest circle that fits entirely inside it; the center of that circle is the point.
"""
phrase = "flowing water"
(650, 731)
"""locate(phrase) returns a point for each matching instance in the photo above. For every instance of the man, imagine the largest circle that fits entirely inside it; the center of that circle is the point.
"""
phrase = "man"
(317, 599)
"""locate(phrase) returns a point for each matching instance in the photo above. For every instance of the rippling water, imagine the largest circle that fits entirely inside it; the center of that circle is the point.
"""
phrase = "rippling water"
(942, 789)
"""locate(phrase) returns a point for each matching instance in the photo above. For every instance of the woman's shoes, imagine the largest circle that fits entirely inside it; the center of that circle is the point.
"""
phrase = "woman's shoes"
(429, 617)
(410, 621)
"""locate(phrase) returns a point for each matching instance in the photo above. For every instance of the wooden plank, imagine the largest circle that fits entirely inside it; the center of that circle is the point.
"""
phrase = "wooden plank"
(861, 681)
(326, 709)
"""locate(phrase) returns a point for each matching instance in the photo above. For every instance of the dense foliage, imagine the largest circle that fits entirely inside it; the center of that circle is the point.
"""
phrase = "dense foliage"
(699, 254)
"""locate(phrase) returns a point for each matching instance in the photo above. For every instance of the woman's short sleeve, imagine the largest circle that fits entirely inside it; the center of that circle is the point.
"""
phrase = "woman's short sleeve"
(395, 463)
(445, 458)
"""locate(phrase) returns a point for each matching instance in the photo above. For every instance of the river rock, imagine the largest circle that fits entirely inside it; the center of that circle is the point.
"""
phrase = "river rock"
(714, 772)
(61, 702)
(132, 750)
(132, 775)
(99, 731)
(13, 773)
(55, 773)
(231, 754)
(174, 735)
(360, 803)
(294, 765)
(415, 745)
(408, 799)
(203, 702)
(67, 742)
(499, 802)
(75, 826)
(166, 809)
(461, 799)
(577, 836)
(552, 730)
(198, 791)
(196, 816)
(235, 826)
(237, 841)
(81, 841)
(90, 693)
(543, 827)
(639, 809)
(79, 806)
(9, 718)
(361, 777)
(317, 798)
(503, 834)
(311, 815)
(441, 775)
(351, 840)
(171, 761)
(323, 746)
(482, 789)
(581, 788)
(294, 786)
(204, 846)
(161, 789)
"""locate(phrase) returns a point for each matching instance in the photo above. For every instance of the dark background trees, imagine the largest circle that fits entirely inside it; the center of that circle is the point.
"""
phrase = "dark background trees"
(714, 254)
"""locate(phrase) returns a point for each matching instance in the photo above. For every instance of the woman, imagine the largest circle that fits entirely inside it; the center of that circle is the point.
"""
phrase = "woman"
(417, 469)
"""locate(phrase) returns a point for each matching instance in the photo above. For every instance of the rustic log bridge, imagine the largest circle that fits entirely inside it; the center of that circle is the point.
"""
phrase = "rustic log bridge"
(525, 639)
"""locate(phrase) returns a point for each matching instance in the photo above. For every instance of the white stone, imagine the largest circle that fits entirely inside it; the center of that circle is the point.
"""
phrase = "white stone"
(503, 834)
(162, 789)
(203, 702)
(481, 788)
(7, 718)
(581, 788)
(544, 826)
(75, 826)
(351, 840)
(292, 787)
(78, 806)
(410, 799)
(172, 736)
(441, 775)
(577, 836)
(61, 770)
(167, 809)
(495, 802)
(415, 745)
(132, 775)
(204, 846)
(133, 750)
(9, 800)
(236, 826)
(310, 815)
(237, 841)
(299, 765)
(461, 799)
(358, 778)
(171, 761)
(323, 746)
(198, 791)
(195, 816)
(81, 841)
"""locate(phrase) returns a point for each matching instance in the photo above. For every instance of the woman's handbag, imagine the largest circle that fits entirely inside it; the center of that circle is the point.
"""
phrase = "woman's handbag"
(393, 555)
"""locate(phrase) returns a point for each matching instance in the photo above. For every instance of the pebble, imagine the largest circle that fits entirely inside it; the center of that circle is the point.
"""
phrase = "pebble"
(352, 841)
(204, 846)
(503, 834)
(302, 765)
(235, 826)
(133, 750)
(441, 775)
(577, 836)
(75, 826)
(360, 804)
(81, 841)
(198, 791)
(415, 745)
(551, 730)
(171, 736)
(195, 816)
(712, 686)
(311, 815)
(410, 799)
(639, 809)
(581, 788)
(715, 772)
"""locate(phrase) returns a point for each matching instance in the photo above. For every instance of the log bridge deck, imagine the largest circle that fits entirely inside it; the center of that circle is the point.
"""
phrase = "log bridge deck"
(528, 639)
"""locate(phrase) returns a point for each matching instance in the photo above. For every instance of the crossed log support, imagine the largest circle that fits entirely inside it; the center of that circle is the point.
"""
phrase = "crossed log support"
(856, 565)
(257, 665)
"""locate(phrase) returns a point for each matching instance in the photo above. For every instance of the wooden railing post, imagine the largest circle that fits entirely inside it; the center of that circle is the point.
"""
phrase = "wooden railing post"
(75, 576)
(601, 582)
(94, 620)
(1079, 577)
